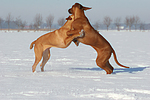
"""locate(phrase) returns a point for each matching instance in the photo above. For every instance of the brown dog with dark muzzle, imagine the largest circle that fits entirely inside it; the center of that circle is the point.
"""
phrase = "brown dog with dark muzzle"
(57, 38)
(92, 38)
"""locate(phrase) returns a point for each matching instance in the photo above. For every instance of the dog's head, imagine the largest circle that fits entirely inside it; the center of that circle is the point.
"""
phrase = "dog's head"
(77, 6)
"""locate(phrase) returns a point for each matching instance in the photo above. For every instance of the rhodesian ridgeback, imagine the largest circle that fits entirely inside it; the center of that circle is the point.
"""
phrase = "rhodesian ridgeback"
(57, 38)
(92, 38)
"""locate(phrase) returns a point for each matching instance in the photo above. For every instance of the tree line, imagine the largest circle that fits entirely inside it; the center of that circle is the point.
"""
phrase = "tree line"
(129, 22)
(36, 25)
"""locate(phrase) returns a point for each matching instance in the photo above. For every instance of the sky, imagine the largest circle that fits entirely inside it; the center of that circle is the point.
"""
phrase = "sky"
(27, 9)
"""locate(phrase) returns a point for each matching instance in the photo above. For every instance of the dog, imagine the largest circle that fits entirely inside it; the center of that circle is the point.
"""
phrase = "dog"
(92, 38)
(57, 38)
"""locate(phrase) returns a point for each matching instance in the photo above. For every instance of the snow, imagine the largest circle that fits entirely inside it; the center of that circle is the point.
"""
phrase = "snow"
(71, 73)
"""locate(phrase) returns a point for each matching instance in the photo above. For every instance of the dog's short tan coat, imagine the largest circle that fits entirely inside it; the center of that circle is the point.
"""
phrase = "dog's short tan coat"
(57, 38)
(92, 38)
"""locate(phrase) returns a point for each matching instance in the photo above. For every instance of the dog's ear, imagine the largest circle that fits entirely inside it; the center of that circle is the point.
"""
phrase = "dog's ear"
(86, 8)
(82, 7)
(69, 18)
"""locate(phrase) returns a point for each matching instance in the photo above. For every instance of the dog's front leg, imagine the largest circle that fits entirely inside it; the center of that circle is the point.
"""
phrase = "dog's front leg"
(70, 38)
(76, 41)
(71, 32)
(81, 32)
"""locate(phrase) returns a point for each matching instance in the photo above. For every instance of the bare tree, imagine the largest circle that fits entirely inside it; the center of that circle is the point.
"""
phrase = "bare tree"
(142, 26)
(23, 24)
(127, 21)
(136, 22)
(18, 22)
(117, 23)
(107, 21)
(96, 25)
(31, 26)
(35, 26)
(131, 22)
(9, 18)
(38, 20)
(1, 20)
(49, 21)
(61, 21)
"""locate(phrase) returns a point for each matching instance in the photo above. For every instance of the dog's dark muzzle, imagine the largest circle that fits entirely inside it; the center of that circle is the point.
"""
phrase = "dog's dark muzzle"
(70, 12)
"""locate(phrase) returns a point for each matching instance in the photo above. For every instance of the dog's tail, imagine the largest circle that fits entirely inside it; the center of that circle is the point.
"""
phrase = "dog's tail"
(31, 45)
(115, 57)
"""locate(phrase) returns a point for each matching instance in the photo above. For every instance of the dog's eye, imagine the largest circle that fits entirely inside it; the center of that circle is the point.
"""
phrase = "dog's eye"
(81, 6)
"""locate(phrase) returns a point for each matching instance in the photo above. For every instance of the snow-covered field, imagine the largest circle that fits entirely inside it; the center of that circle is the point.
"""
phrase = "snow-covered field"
(71, 73)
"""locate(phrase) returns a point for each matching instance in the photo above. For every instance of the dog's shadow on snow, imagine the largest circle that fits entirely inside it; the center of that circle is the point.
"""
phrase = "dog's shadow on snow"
(116, 70)
(129, 70)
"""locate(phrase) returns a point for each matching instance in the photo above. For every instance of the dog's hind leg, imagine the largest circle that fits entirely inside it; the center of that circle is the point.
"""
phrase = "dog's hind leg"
(103, 61)
(46, 56)
(38, 56)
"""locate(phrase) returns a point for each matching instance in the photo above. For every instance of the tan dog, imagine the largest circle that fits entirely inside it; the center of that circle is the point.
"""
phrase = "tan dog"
(92, 38)
(57, 38)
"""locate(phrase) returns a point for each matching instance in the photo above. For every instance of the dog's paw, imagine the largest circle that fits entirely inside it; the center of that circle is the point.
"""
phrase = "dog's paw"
(82, 33)
(77, 43)
(35, 72)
